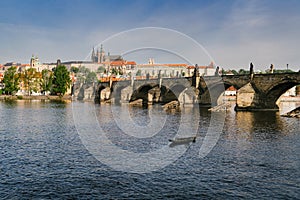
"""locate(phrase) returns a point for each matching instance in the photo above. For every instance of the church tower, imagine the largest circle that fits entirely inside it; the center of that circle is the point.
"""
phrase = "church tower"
(34, 61)
(101, 54)
(93, 55)
(98, 56)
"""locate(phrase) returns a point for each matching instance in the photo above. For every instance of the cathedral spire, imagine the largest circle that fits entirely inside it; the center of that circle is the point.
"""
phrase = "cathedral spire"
(101, 48)
(101, 54)
(93, 55)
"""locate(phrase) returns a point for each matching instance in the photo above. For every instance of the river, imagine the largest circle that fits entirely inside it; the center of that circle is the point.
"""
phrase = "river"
(49, 151)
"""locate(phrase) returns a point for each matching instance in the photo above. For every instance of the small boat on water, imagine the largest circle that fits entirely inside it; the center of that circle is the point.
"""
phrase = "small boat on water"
(182, 141)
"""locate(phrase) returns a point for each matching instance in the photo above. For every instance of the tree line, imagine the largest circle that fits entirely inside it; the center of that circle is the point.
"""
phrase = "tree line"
(244, 72)
(84, 75)
(56, 81)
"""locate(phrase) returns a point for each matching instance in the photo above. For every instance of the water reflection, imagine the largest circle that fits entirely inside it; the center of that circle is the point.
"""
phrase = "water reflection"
(286, 106)
(44, 157)
(31, 104)
(256, 125)
(133, 127)
(31, 116)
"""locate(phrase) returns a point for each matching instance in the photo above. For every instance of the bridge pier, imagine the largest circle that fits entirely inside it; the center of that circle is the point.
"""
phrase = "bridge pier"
(257, 93)
(154, 95)
(85, 92)
(105, 94)
(126, 94)
(188, 97)
(247, 99)
(102, 94)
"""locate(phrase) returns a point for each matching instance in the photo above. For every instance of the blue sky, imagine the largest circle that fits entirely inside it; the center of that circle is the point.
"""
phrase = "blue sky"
(233, 32)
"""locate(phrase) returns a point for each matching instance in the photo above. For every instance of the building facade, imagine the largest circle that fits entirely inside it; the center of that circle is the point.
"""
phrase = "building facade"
(172, 70)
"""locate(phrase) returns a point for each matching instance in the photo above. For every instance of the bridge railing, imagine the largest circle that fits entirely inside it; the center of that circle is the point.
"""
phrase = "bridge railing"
(114, 79)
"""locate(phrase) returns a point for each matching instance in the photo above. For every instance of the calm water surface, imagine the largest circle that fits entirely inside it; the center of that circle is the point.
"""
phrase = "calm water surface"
(43, 157)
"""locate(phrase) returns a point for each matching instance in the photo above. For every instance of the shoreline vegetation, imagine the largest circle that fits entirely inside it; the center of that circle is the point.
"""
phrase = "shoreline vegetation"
(68, 97)
(39, 97)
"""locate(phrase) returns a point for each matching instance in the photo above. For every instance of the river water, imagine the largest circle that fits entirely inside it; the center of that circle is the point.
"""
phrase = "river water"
(46, 153)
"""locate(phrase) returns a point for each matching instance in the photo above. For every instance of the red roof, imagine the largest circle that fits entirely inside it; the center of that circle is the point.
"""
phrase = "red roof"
(130, 63)
(231, 88)
(25, 65)
(122, 62)
(200, 67)
(165, 65)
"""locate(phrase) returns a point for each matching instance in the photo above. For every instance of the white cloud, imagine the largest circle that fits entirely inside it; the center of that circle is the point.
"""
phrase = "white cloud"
(233, 34)
(253, 32)
(19, 42)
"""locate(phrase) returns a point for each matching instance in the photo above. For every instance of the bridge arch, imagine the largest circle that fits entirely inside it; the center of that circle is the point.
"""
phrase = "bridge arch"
(258, 93)
(172, 93)
(276, 91)
(264, 90)
(211, 94)
(142, 93)
(102, 93)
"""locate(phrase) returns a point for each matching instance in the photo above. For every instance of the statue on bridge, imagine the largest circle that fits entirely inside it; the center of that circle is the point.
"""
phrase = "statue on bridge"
(196, 70)
(271, 69)
(196, 77)
(217, 72)
(251, 71)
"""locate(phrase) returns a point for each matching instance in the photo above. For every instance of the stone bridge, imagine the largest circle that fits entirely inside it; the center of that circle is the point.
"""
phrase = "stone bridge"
(255, 92)
(151, 91)
(263, 91)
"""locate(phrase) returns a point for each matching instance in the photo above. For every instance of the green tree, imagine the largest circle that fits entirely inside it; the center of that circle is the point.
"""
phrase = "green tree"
(30, 80)
(223, 72)
(83, 70)
(114, 71)
(242, 71)
(91, 77)
(283, 70)
(138, 73)
(82, 74)
(61, 80)
(74, 69)
(11, 80)
(101, 69)
(46, 80)
(234, 72)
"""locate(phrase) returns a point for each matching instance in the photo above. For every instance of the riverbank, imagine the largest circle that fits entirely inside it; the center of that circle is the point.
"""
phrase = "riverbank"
(281, 99)
(289, 99)
(294, 113)
(41, 97)
(69, 98)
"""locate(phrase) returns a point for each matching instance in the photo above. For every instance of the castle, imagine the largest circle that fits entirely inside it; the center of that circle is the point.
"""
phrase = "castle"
(100, 57)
